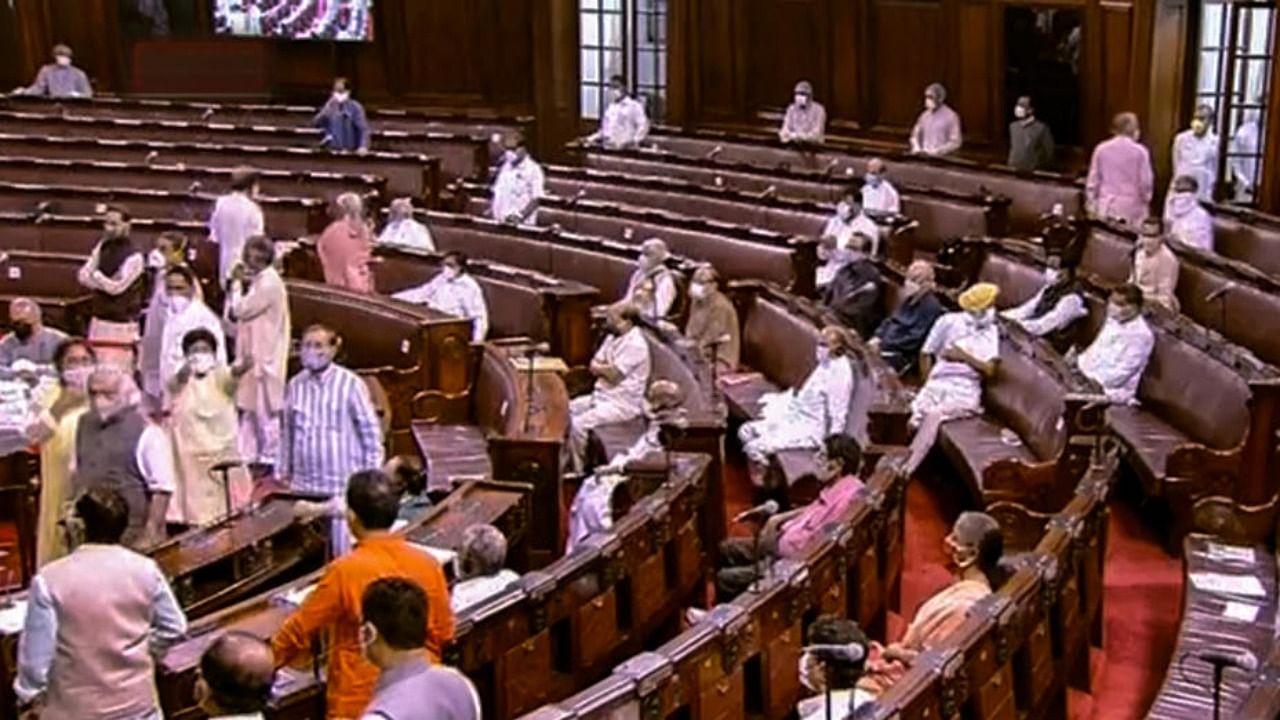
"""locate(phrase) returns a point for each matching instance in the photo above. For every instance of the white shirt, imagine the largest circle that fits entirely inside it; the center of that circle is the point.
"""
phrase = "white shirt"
(473, 591)
(1068, 308)
(196, 315)
(1244, 165)
(515, 187)
(460, 296)
(408, 233)
(629, 353)
(1188, 222)
(624, 124)
(154, 456)
(1116, 358)
(960, 330)
(1197, 157)
(844, 230)
(882, 198)
(236, 218)
(591, 511)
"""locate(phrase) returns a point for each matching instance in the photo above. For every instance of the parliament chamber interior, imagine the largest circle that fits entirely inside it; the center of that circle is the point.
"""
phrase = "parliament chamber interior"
(639, 359)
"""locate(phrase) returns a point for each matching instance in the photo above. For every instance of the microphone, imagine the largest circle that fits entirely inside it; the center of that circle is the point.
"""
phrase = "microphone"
(850, 653)
(151, 157)
(715, 151)
(208, 113)
(195, 186)
(769, 192)
(832, 164)
(763, 511)
(1220, 292)
(1241, 659)
(582, 192)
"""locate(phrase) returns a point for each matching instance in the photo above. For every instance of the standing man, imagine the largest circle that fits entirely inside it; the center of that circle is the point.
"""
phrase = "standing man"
(346, 245)
(1195, 153)
(60, 79)
(1120, 182)
(519, 187)
(806, 119)
(403, 230)
(236, 675)
(113, 273)
(96, 621)
(236, 218)
(621, 369)
(625, 123)
(342, 120)
(335, 607)
(259, 307)
(713, 321)
(1030, 141)
(29, 339)
(454, 291)
(879, 196)
(937, 130)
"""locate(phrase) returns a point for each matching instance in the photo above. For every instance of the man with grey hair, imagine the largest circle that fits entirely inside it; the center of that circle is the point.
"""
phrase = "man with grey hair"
(900, 337)
(59, 79)
(652, 288)
(345, 246)
(403, 230)
(1195, 153)
(28, 338)
(806, 119)
(1120, 182)
(937, 130)
(481, 571)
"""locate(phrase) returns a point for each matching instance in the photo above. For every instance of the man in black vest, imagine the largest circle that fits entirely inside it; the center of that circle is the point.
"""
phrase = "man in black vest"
(114, 274)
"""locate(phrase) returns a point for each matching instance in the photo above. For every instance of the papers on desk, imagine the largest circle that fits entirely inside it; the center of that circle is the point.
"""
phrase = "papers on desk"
(541, 363)
(1244, 612)
(296, 596)
(13, 617)
(1224, 584)
(1240, 555)
(444, 556)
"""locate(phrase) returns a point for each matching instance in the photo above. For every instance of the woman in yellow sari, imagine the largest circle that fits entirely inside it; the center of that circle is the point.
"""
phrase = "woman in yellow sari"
(975, 547)
(54, 430)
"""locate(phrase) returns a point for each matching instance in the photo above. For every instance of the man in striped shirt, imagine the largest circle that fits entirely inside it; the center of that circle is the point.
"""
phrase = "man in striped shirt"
(330, 430)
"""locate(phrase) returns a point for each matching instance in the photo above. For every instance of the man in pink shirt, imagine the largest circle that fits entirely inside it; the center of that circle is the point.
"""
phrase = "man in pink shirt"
(346, 245)
(937, 130)
(792, 533)
(1120, 180)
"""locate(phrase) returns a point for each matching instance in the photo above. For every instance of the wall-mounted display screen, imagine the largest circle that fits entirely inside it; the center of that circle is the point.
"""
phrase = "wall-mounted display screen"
(350, 20)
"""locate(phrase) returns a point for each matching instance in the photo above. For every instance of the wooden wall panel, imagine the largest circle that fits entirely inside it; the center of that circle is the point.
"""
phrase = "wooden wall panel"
(908, 53)
(716, 65)
(974, 85)
(788, 40)
(1116, 72)
(847, 97)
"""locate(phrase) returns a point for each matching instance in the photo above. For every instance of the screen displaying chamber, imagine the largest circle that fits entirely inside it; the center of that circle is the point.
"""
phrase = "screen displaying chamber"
(295, 19)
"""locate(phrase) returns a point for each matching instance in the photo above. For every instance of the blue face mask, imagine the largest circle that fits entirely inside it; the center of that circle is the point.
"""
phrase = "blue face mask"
(314, 360)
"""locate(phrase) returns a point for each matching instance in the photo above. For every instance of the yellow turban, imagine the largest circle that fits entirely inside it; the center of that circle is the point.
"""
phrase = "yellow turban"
(978, 297)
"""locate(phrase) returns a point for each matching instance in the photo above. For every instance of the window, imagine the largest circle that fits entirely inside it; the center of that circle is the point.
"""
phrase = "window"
(627, 38)
(1235, 72)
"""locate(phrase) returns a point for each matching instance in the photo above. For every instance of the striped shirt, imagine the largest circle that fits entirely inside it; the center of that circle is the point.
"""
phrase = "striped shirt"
(330, 431)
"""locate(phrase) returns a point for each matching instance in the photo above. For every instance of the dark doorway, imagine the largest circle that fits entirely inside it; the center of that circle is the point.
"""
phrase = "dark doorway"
(1043, 51)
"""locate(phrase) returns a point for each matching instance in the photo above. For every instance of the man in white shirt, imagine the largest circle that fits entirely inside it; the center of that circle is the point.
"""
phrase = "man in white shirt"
(519, 187)
(850, 220)
(236, 218)
(403, 230)
(481, 567)
(1195, 152)
(1186, 220)
(236, 675)
(652, 288)
(453, 291)
(621, 368)
(625, 123)
(1119, 354)
(1056, 305)
(186, 312)
(879, 196)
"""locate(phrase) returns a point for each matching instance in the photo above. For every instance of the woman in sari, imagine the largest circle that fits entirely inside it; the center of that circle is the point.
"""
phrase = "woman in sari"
(975, 547)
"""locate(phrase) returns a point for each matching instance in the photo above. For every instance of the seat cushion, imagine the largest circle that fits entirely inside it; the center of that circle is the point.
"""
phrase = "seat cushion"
(975, 443)
(1148, 440)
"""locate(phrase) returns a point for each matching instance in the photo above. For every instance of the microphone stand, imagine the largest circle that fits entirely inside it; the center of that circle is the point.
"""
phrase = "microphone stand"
(530, 354)
(1217, 690)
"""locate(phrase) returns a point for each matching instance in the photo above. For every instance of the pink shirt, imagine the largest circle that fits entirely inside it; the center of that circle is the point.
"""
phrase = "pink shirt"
(834, 500)
(1120, 181)
(344, 249)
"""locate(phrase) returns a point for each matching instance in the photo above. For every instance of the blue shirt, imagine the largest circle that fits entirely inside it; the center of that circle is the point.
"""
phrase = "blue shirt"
(331, 430)
(344, 125)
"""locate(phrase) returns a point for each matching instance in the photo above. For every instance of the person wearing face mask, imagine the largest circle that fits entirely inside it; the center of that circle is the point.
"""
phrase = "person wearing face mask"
(333, 607)
(343, 121)
(59, 79)
(937, 130)
(791, 534)
(204, 426)
(713, 321)
(1056, 305)
(28, 338)
(621, 368)
(879, 196)
(805, 120)
(330, 431)
(187, 312)
(900, 337)
(114, 274)
(855, 293)
(481, 567)
(453, 291)
(519, 186)
(651, 269)
(236, 218)
(1119, 354)
(54, 430)
(1188, 221)
(1155, 266)
(117, 447)
(1030, 141)
(259, 307)
(1195, 153)
(403, 230)
(236, 676)
(346, 246)
(394, 612)
(1243, 157)
(849, 220)
(170, 251)
(974, 548)
(625, 123)
(1120, 182)
(799, 418)
(835, 675)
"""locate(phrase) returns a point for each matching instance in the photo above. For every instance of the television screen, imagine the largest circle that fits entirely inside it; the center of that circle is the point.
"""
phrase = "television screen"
(295, 19)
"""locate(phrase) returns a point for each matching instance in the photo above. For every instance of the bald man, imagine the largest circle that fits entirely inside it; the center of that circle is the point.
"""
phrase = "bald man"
(879, 196)
(403, 231)
(346, 245)
(1120, 182)
(900, 337)
(652, 288)
(236, 674)
(28, 338)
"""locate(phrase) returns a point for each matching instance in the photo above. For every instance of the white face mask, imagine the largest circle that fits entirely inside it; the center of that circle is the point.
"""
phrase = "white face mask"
(910, 288)
(802, 100)
(155, 260)
(178, 303)
(1051, 275)
(1182, 203)
(1019, 112)
(698, 291)
(62, 60)
(822, 354)
(844, 211)
(202, 362)
(77, 378)
(452, 273)
(873, 179)
(616, 95)
(510, 157)
(341, 96)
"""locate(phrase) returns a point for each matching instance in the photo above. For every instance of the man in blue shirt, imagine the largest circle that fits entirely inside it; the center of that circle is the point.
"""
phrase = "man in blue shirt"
(343, 121)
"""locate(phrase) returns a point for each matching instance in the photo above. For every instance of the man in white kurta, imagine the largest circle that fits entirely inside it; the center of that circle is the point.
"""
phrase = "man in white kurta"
(1119, 354)
(1243, 158)
(652, 287)
(625, 123)
(403, 230)
(879, 196)
(235, 219)
(850, 220)
(186, 313)
(519, 187)
(1185, 219)
(1054, 306)
(621, 367)
(453, 291)
(1195, 152)
(259, 307)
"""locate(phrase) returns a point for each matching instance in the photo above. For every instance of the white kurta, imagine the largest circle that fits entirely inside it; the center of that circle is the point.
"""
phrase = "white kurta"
(196, 315)
(609, 402)
(803, 417)
(236, 218)
(1063, 313)
(515, 186)
(407, 233)
(624, 124)
(954, 389)
(1197, 157)
(591, 512)
(1244, 163)
(1116, 358)
(460, 296)
(882, 198)
(664, 292)
(1188, 222)
(844, 230)
(474, 591)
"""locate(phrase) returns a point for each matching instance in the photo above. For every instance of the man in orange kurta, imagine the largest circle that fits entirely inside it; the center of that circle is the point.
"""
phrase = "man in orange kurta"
(373, 502)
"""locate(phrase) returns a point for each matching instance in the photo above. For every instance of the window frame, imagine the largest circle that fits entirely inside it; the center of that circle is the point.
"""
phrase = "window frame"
(633, 19)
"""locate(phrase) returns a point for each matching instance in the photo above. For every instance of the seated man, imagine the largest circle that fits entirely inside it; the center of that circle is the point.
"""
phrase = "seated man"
(792, 533)
(1155, 266)
(1058, 304)
(403, 230)
(827, 664)
(879, 196)
(974, 548)
(408, 474)
(806, 119)
(625, 123)
(713, 321)
(29, 339)
(1118, 355)
(849, 220)
(802, 417)
(829, 261)
(1188, 222)
(454, 291)
(621, 369)
(900, 337)
(652, 287)
(481, 571)
(855, 292)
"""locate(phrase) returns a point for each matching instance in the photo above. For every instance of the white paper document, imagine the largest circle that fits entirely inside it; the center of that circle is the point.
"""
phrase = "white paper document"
(1230, 553)
(297, 596)
(13, 617)
(1223, 583)
(1244, 612)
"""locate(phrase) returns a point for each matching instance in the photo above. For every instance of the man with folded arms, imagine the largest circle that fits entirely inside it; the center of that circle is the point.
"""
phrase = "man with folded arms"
(113, 273)
(621, 369)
